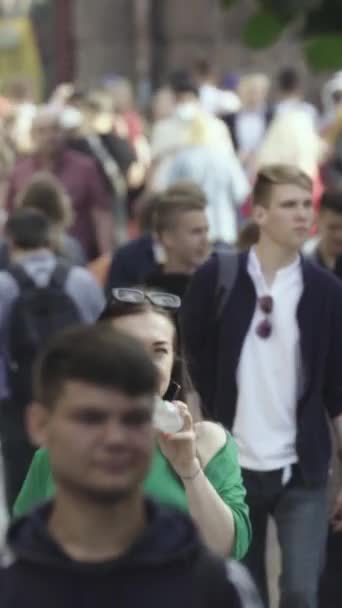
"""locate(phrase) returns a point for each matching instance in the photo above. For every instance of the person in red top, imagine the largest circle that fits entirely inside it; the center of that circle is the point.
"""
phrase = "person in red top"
(93, 220)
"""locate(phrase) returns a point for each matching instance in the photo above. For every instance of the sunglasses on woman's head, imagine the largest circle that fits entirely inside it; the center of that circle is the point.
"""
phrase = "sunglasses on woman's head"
(129, 295)
(264, 328)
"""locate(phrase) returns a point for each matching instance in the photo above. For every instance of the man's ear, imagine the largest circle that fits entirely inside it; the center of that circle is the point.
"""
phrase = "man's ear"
(37, 419)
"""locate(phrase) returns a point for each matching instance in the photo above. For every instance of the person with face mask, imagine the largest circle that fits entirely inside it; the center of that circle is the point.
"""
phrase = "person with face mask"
(193, 145)
(188, 121)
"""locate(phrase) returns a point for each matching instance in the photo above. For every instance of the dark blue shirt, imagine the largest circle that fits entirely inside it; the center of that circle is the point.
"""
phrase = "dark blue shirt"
(132, 263)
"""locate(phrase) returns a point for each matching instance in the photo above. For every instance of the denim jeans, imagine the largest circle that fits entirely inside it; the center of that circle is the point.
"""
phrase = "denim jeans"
(301, 517)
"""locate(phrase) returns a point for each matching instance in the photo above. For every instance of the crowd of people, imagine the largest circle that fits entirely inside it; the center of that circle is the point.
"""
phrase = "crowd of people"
(171, 334)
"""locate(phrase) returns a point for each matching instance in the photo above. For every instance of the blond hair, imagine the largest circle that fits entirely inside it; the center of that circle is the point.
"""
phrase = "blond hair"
(278, 175)
(254, 88)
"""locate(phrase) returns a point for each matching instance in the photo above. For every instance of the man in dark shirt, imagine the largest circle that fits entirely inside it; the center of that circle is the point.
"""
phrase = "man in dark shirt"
(328, 254)
(167, 253)
(328, 251)
(100, 542)
(182, 229)
(93, 221)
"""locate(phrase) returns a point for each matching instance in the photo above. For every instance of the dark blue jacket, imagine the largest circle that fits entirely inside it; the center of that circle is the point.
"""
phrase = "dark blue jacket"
(131, 263)
(166, 567)
(214, 349)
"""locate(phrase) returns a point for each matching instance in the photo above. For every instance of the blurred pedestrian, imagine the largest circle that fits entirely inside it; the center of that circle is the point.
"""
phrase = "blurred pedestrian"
(291, 95)
(327, 251)
(145, 255)
(40, 295)
(210, 95)
(162, 104)
(182, 229)
(209, 161)
(331, 99)
(99, 537)
(93, 221)
(332, 167)
(177, 132)
(46, 194)
(251, 122)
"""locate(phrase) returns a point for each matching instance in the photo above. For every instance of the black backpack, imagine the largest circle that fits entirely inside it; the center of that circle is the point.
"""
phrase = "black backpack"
(37, 314)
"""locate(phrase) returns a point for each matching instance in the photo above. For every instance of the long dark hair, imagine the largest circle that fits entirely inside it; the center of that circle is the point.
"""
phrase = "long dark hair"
(180, 384)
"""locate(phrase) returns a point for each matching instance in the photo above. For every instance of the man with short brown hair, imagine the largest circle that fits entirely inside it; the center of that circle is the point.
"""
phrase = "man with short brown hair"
(100, 542)
(169, 245)
(267, 366)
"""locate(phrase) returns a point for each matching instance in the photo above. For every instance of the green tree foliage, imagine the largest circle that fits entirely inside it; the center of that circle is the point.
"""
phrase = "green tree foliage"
(322, 28)
(263, 29)
(324, 52)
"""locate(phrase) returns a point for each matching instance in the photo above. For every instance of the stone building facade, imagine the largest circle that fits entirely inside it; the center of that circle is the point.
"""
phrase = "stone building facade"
(144, 39)
(111, 36)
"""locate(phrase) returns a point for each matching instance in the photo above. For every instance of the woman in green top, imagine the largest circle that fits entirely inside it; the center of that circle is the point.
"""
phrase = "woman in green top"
(195, 469)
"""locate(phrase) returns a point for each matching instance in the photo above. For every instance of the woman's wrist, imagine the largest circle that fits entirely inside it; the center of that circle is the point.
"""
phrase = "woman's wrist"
(191, 472)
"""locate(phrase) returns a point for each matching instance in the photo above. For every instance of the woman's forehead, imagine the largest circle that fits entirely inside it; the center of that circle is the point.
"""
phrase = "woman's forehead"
(149, 326)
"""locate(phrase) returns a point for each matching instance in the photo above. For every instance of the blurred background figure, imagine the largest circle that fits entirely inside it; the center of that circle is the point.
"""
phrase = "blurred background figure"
(331, 100)
(251, 122)
(45, 193)
(23, 111)
(332, 169)
(212, 98)
(291, 95)
(291, 137)
(200, 150)
(40, 295)
(188, 122)
(162, 104)
(90, 131)
(327, 248)
(128, 121)
(93, 218)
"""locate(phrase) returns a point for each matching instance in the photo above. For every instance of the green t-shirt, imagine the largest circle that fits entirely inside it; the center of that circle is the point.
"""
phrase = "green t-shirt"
(163, 485)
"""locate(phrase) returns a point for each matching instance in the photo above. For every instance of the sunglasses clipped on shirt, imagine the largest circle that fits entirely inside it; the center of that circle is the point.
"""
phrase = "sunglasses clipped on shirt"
(129, 295)
(264, 328)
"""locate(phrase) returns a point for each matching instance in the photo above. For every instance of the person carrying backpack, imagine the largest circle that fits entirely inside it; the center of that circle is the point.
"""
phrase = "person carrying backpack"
(39, 297)
(263, 333)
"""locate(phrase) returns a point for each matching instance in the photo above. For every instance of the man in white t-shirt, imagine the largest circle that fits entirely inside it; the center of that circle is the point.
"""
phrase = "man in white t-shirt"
(267, 365)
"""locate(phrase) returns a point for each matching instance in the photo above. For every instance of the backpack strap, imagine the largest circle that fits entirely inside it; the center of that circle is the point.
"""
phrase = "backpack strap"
(215, 575)
(243, 584)
(228, 265)
(60, 274)
(21, 277)
(58, 277)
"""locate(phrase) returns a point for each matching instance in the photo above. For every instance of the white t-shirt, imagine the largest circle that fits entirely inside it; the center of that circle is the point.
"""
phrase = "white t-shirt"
(267, 376)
